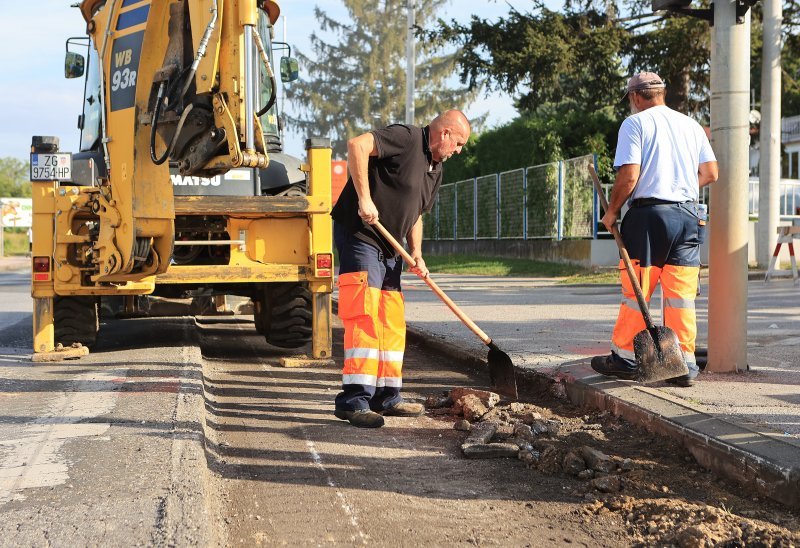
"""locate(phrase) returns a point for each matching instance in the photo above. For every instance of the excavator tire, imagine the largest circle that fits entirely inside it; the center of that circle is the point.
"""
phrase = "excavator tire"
(286, 314)
(76, 320)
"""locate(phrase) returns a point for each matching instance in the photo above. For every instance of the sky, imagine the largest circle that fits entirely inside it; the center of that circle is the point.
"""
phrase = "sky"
(38, 100)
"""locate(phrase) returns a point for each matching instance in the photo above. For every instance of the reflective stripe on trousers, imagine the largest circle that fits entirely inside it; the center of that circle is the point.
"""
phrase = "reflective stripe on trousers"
(679, 284)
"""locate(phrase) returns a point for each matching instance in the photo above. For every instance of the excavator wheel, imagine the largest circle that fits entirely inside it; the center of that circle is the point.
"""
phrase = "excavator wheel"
(286, 314)
(76, 320)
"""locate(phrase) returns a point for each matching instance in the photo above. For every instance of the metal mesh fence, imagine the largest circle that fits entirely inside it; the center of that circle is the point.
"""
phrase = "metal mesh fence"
(512, 204)
(486, 212)
(548, 201)
(465, 209)
(446, 213)
(542, 201)
(578, 198)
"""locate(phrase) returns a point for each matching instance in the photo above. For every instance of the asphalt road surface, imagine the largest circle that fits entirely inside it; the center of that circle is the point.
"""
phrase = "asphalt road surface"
(181, 431)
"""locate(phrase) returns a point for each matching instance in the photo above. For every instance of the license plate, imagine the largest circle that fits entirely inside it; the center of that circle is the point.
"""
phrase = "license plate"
(51, 167)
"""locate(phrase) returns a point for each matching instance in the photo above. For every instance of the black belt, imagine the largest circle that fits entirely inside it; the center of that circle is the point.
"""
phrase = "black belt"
(644, 202)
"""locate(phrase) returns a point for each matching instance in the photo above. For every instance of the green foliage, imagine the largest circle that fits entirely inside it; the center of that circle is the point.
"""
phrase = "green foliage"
(356, 78)
(14, 181)
(545, 58)
(15, 241)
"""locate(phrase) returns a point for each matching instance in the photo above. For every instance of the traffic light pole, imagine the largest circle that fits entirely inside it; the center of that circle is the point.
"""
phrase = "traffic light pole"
(730, 92)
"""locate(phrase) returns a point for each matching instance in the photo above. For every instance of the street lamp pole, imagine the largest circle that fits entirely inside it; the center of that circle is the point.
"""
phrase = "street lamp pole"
(410, 65)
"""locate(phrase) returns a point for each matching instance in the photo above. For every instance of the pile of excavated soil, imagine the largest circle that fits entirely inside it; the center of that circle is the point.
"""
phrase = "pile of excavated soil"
(651, 483)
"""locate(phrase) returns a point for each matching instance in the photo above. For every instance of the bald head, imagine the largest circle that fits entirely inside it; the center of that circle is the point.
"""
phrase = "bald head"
(452, 119)
(449, 132)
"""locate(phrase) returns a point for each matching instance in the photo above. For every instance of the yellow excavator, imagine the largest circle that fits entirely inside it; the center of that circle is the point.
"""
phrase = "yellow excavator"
(180, 187)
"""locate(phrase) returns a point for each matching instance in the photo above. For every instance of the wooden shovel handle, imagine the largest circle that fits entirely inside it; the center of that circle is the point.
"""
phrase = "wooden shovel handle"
(623, 253)
(435, 288)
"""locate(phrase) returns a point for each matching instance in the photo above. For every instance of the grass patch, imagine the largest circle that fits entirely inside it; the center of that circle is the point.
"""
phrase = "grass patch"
(497, 266)
(15, 241)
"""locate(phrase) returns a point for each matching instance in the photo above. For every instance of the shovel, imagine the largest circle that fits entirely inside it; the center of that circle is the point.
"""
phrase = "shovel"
(501, 370)
(657, 349)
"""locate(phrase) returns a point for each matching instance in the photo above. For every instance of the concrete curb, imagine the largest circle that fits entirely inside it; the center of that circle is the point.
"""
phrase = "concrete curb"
(764, 462)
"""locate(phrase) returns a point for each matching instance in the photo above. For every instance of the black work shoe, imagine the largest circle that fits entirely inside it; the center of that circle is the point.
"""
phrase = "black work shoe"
(362, 418)
(605, 366)
(684, 380)
(404, 409)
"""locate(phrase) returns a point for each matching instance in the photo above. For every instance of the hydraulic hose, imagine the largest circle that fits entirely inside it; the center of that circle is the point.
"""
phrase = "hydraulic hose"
(153, 123)
(273, 84)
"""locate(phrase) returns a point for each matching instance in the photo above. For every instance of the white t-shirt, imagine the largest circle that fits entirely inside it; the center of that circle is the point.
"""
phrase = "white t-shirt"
(669, 147)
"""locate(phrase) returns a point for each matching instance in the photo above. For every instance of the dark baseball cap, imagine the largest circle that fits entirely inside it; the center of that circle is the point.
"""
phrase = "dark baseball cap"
(644, 80)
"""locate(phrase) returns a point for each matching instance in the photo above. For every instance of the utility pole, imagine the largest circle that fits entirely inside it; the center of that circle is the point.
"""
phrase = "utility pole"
(770, 134)
(730, 91)
(410, 64)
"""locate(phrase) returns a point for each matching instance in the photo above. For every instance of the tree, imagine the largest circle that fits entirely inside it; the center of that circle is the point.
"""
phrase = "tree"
(14, 178)
(540, 58)
(356, 80)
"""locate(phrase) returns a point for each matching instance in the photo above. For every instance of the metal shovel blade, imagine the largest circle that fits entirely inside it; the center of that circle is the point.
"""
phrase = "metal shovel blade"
(658, 354)
(501, 372)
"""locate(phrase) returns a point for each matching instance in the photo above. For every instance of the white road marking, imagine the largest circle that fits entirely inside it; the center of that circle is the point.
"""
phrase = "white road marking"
(345, 505)
(33, 458)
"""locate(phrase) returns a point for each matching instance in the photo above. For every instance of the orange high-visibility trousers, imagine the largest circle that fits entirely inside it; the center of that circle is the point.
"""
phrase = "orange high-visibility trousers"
(372, 310)
(679, 284)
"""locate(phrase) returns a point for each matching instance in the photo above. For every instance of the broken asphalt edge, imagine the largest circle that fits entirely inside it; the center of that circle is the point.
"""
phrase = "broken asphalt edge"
(764, 462)
(189, 506)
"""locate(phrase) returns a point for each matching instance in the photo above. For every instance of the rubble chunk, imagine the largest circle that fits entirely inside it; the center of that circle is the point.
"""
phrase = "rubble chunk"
(472, 407)
(597, 460)
(524, 432)
(504, 432)
(463, 425)
(490, 451)
(573, 464)
(437, 402)
(607, 484)
(586, 474)
(489, 399)
(481, 433)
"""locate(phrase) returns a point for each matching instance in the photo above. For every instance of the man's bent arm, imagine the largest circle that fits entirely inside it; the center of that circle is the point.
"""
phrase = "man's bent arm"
(708, 173)
(359, 149)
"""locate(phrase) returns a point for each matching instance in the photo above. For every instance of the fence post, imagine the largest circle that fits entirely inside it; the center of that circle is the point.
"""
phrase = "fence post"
(524, 203)
(595, 209)
(455, 211)
(497, 212)
(560, 212)
(436, 234)
(475, 208)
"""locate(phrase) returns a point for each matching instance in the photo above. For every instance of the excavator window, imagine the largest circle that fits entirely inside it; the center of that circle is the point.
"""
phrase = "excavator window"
(92, 105)
(269, 121)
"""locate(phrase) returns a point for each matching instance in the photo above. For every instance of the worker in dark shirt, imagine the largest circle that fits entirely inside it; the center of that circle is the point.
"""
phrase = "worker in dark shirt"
(395, 173)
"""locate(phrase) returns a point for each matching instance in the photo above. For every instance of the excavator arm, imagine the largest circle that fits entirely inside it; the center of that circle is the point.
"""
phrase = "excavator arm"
(180, 85)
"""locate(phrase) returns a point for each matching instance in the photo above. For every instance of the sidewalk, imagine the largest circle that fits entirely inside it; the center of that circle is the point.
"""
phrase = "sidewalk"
(744, 425)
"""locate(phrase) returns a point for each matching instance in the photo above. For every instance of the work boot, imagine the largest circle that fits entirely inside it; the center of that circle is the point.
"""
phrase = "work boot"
(362, 418)
(684, 381)
(404, 409)
(606, 365)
